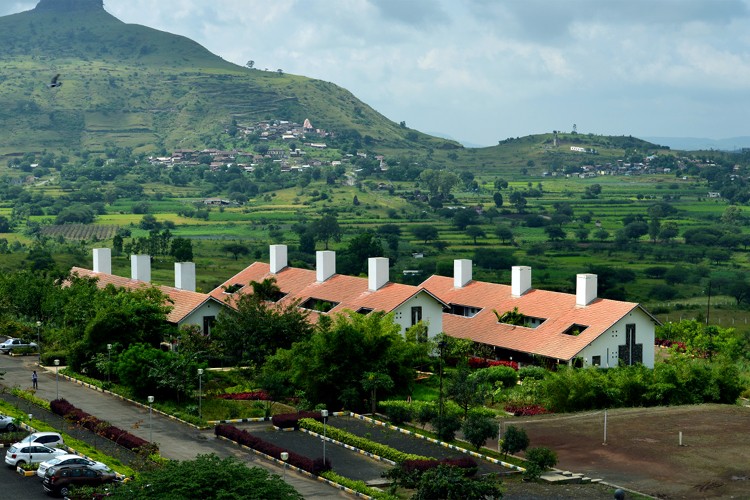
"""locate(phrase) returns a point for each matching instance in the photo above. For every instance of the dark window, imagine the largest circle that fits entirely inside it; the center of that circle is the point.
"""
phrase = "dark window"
(208, 323)
(364, 310)
(319, 305)
(416, 315)
(630, 353)
(596, 360)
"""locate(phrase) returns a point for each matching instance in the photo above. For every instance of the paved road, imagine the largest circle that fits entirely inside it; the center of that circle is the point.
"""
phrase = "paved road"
(176, 441)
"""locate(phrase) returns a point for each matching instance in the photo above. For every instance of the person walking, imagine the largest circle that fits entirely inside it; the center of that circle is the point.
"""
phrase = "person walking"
(34, 380)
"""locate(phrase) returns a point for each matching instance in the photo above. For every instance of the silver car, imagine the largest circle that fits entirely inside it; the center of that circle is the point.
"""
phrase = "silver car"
(70, 459)
(7, 423)
(9, 345)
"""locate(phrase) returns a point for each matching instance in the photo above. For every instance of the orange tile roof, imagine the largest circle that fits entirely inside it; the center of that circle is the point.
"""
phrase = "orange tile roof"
(183, 301)
(348, 292)
(558, 309)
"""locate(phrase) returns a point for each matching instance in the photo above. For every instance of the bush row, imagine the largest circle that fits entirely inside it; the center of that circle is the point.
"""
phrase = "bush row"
(246, 396)
(86, 420)
(314, 466)
(468, 464)
(359, 442)
(291, 420)
(48, 358)
(526, 410)
(475, 362)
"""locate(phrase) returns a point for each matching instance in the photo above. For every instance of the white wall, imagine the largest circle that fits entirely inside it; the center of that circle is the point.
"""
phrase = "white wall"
(209, 308)
(615, 337)
(432, 313)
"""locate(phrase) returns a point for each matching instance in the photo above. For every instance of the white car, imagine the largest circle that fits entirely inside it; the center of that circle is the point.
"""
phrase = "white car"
(45, 438)
(70, 459)
(7, 423)
(21, 453)
(9, 345)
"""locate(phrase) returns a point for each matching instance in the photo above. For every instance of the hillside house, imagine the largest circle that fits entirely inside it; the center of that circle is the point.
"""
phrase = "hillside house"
(188, 306)
(577, 329)
(323, 291)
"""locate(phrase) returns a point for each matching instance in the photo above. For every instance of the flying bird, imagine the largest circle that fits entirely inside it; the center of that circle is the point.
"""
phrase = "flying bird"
(55, 82)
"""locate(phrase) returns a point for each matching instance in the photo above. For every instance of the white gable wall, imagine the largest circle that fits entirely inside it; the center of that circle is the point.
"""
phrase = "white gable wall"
(607, 345)
(432, 313)
(208, 309)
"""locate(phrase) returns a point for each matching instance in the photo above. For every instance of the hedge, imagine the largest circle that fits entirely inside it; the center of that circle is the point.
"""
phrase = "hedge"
(86, 420)
(358, 486)
(364, 444)
(314, 466)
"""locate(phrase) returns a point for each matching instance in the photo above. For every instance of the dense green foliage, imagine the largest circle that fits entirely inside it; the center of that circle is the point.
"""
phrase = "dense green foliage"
(208, 476)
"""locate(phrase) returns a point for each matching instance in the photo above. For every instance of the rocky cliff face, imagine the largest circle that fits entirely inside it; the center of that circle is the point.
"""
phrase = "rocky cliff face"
(68, 5)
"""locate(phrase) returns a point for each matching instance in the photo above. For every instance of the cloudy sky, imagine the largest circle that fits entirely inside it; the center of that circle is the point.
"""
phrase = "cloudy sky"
(483, 70)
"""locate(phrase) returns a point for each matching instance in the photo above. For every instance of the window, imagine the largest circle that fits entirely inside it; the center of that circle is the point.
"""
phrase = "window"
(575, 329)
(319, 305)
(465, 311)
(416, 315)
(596, 360)
(364, 310)
(630, 353)
(208, 323)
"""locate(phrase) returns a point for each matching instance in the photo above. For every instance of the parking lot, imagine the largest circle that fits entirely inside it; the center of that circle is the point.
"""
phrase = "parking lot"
(13, 485)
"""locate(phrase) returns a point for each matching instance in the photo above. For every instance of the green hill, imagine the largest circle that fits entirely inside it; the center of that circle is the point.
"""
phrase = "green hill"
(137, 87)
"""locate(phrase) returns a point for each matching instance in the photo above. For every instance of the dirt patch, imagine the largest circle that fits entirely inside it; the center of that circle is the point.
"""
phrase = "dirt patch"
(642, 450)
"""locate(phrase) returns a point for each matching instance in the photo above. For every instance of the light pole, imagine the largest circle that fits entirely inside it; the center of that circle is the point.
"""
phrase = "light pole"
(324, 414)
(441, 345)
(39, 341)
(109, 363)
(57, 378)
(284, 458)
(150, 428)
(200, 392)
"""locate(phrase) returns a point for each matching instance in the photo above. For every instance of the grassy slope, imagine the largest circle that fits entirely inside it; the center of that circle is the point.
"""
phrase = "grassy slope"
(142, 88)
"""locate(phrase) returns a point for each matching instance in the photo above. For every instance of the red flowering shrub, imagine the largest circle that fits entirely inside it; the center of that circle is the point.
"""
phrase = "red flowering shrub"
(526, 410)
(671, 343)
(476, 363)
(246, 396)
(420, 466)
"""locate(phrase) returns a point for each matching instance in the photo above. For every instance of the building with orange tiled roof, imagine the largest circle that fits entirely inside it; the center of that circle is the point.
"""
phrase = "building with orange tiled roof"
(188, 307)
(322, 291)
(579, 329)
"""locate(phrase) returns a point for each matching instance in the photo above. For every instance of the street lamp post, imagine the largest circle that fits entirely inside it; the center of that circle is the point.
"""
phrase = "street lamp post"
(200, 392)
(284, 458)
(39, 341)
(441, 345)
(109, 363)
(150, 428)
(57, 378)
(324, 414)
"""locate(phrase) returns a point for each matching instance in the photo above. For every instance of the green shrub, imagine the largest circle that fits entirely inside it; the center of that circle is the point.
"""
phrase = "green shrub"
(397, 412)
(497, 375)
(532, 372)
(358, 486)
(542, 457)
(49, 357)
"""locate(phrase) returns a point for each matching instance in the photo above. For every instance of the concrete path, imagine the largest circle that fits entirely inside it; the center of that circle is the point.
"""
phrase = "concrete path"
(176, 441)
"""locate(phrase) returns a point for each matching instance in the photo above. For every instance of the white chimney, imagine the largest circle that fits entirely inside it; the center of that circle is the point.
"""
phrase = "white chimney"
(325, 265)
(461, 272)
(278, 258)
(184, 276)
(103, 260)
(586, 289)
(377, 272)
(520, 280)
(140, 267)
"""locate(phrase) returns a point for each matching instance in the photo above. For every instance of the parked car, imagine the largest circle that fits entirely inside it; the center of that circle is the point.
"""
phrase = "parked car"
(58, 480)
(7, 423)
(45, 438)
(12, 344)
(24, 453)
(70, 459)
